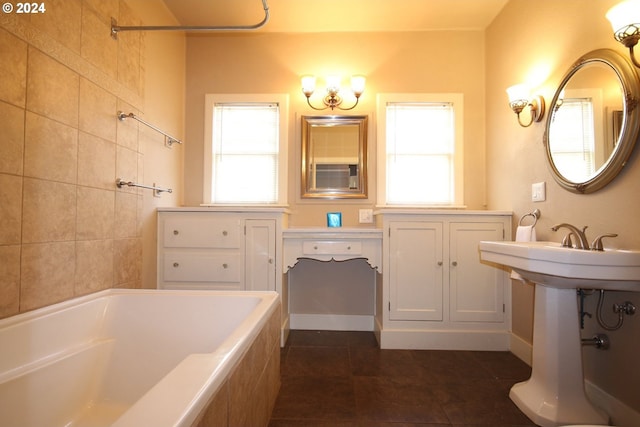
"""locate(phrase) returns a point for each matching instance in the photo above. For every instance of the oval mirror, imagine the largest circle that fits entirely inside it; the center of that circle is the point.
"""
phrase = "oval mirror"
(334, 157)
(593, 121)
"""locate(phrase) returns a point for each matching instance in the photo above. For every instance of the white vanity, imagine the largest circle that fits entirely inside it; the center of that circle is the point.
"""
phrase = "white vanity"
(436, 293)
(430, 289)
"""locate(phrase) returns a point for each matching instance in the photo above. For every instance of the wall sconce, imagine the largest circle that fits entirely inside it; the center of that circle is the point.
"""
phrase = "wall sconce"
(625, 21)
(332, 100)
(519, 98)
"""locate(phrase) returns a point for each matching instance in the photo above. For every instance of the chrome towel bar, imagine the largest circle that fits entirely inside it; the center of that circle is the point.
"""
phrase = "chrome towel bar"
(169, 140)
(156, 190)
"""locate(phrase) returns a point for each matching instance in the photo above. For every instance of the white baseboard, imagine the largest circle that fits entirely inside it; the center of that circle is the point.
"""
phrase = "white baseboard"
(331, 322)
(620, 414)
(444, 340)
(522, 349)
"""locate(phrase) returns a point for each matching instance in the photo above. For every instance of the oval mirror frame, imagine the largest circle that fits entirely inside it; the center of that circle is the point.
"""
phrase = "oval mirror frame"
(628, 134)
(329, 169)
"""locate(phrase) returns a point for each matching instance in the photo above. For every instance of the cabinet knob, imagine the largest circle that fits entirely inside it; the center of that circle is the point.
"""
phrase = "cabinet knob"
(176, 232)
(440, 263)
(348, 248)
(454, 263)
(270, 260)
(225, 265)
(315, 247)
(175, 264)
(224, 233)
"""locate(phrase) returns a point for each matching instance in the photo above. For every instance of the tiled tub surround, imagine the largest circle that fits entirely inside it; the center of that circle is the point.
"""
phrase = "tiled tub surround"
(143, 357)
(66, 230)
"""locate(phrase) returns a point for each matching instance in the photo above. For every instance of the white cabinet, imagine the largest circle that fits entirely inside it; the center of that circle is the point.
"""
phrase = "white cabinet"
(416, 270)
(203, 248)
(476, 290)
(436, 293)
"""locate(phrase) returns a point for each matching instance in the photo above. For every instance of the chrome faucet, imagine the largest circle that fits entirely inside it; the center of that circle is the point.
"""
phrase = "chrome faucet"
(582, 242)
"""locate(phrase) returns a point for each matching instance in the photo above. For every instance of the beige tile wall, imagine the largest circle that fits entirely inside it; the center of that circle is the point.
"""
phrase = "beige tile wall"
(65, 229)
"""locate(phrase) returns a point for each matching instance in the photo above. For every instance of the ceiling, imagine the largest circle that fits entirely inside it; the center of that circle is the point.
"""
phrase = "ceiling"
(340, 15)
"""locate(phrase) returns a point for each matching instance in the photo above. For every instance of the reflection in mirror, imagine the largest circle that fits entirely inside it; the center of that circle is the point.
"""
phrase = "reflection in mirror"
(590, 132)
(334, 156)
(582, 131)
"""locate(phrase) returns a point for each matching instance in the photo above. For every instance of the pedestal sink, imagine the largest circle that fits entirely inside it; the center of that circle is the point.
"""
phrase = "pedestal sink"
(554, 395)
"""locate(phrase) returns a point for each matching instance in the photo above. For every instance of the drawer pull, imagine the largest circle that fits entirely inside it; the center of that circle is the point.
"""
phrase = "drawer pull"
(176, 232)
(225, 265)
(315, 247)
(348, 248)
(224, 233)
(175, 264)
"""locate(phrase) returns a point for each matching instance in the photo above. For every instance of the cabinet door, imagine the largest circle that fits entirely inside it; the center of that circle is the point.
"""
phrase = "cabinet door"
(260, 267)
(476, 289)
(415, 252)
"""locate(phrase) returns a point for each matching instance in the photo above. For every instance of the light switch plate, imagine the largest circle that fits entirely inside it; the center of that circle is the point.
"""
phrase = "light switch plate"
(366, 216)
(538, 192)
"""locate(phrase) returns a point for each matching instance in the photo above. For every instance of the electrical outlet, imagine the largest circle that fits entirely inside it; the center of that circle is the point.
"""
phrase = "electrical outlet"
(538, 192)
(366, 216)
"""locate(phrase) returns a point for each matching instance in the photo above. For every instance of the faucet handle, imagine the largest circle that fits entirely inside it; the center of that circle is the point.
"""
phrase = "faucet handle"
(567, 242)
(597, 242)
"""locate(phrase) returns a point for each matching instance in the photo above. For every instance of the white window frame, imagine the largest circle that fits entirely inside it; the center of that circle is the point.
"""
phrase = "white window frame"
(456, 99)
(283, 149)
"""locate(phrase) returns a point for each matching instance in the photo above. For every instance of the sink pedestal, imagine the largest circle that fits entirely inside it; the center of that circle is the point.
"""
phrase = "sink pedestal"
(554, 395)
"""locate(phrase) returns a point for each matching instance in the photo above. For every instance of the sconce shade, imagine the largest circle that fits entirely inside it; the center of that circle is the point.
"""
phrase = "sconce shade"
(624, 14)
(625, 21)
(333, 84)
(308, 85)
(518, 93)
(357, 85)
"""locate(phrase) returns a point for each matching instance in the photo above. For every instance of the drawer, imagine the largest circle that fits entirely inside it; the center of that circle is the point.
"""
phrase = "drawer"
(201, 232)
(331, 248)
(202, 267)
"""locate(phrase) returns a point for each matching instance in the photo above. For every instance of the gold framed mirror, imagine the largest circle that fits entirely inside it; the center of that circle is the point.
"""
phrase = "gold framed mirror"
(592, 126)
(334, 157)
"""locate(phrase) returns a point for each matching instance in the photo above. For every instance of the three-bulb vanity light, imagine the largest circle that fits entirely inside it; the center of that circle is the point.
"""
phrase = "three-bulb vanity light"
(332, 99)
(519, 99)
(625, 21)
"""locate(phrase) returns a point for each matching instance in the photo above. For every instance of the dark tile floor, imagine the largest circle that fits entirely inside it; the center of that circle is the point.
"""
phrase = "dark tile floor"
(335, 378)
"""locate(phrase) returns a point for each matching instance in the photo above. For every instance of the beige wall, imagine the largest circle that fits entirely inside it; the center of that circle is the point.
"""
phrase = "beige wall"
(64, 228)
(392, 62)
(537, 42)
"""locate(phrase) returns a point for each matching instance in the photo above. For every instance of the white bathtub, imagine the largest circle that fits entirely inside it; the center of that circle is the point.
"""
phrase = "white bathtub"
(125, 357)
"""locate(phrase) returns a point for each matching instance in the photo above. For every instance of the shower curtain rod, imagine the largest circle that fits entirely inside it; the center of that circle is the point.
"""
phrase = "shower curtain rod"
(115, 28)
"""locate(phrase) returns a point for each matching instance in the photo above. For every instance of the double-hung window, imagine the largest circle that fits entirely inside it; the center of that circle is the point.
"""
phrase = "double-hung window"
(420, 144)
(246, 149)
